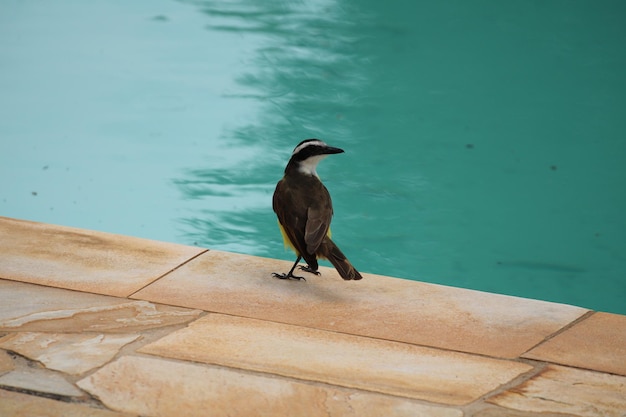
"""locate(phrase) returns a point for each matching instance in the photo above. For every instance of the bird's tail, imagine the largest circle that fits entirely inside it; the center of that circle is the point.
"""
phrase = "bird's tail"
(336, 257)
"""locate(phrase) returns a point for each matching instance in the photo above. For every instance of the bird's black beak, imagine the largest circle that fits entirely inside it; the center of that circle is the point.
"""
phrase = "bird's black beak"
(330, 150)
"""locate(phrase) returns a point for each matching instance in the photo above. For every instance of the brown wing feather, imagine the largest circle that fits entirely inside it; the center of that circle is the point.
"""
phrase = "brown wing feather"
(317, 224)
(285, 218)
(292, 220)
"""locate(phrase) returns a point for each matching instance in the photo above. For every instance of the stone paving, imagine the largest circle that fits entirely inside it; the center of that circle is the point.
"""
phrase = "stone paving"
(94, 324)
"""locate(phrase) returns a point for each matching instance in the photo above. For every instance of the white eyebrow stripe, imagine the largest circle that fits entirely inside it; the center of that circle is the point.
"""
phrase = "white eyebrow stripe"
(304, 145)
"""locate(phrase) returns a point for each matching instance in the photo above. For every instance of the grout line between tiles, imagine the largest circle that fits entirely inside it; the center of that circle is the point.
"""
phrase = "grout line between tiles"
(168, 272)
(74, 290)
(476, 405)
(560, 331)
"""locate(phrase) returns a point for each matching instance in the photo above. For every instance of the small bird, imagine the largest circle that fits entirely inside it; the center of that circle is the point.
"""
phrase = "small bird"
(304, 210)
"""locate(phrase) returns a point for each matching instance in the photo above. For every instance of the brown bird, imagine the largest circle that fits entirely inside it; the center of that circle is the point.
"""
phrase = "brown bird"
(304, 210)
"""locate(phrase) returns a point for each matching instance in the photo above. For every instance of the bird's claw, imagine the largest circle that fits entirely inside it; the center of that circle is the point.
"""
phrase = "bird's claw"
(287, 276)
(309, 270)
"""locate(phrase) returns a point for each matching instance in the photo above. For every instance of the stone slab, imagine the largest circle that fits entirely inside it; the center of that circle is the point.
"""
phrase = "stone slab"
(377, 306)
(72, 353)
(154, 387)
(507, 412)
(84, 260)
(339, 359)
(578, 392)
(15, 404)
(39, 380)
(28, 307)
(597, 343)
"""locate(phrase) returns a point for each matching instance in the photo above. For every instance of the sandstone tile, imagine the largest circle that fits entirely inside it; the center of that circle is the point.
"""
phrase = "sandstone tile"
(598, 343)
(155, 387)
(506, 412)
(21, 405)
(566, 390)
(71, 353)
(339, 359)
(28, 307)
(6, 363)
(39, 380)
(377, 306)
(84, 260)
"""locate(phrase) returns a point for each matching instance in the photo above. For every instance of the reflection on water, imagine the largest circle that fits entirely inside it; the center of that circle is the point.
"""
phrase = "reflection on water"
(305, 78)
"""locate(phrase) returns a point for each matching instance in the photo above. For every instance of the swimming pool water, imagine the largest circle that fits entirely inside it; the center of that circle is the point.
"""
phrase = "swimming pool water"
(485, 143)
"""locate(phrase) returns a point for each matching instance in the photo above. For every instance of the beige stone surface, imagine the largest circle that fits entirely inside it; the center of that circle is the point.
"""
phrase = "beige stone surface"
(84, 260)
(39, 380)
(28, 307)
(598, 343)
(72, 353)
(377, 306)
(155, 387)
(13, 404)
(6, 363)
(338, 359)
(566, 390)
(507, 412)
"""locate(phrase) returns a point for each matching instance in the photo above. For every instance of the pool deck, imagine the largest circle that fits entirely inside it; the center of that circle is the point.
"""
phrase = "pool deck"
(96, 324)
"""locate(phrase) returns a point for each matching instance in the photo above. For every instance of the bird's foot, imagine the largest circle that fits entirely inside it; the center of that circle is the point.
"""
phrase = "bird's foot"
(309, 270)
(288, 276)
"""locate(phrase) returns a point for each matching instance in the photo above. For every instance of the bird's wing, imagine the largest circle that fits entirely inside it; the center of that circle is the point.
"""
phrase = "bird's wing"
(317, 224)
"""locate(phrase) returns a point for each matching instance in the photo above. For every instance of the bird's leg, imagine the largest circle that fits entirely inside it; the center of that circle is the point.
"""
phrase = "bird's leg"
(309, 270)
(289, 275)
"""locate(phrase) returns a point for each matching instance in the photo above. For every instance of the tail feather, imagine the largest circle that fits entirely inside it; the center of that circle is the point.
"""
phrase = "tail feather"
(336, 257)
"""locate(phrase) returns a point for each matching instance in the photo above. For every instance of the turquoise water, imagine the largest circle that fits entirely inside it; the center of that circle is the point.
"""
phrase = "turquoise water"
(485, 141)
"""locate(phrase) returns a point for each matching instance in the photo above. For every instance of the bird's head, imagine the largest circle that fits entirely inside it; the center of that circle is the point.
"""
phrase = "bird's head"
(309, 153)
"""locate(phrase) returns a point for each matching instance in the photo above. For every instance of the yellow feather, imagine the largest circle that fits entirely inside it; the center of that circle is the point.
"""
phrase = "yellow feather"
(287, 242)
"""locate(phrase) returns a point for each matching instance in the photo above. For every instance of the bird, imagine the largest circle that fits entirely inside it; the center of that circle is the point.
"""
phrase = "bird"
(304, 210)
